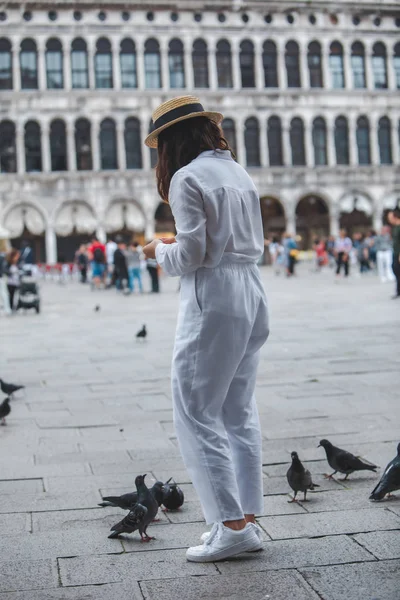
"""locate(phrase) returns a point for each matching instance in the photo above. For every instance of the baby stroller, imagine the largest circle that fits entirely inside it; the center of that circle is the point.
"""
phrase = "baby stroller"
(28, 292)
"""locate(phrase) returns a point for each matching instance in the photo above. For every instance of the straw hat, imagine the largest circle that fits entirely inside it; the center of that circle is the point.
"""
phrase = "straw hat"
(175, 110)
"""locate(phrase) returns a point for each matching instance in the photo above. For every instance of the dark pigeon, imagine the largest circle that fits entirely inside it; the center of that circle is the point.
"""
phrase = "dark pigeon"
(97, 308)
(299, 478)
(5, 410)
(142, 514)
(173, 496)
(343, 461)
(390, 480)
(10, 388)
(142, 334)
(126, 501)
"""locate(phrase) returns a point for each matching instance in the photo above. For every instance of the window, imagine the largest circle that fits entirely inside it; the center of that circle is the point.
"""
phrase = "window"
(315, 65)
(224, 64)
(252, 142)
(8, 151)
(336, 65)
(152, 64)
(28, 65)
(58, 145)
(275, 149)
(297, 142)
(33, 149)
(6, 80)
(79, 64)
(108, 145)
(342, 141)
(176, 67)
(270, 64)
(54, 64)
(247, 64)
(103, 64)
(363, 145)
(83, 145)
(396, 64)
(319, 141)
(127, 58)
(358, 65)
(379, 67)
(133, 144)
(200, 64)
(384, 141)
(229, 129)
(292, 65)
(153, 151)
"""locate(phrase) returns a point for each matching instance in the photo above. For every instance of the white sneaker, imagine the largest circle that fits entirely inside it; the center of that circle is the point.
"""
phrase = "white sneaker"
(222, 542)
(259, 532)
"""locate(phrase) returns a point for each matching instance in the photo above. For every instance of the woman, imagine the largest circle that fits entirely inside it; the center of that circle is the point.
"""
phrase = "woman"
(343, 246)
(12, 271)
(222, 323)
(133, 258)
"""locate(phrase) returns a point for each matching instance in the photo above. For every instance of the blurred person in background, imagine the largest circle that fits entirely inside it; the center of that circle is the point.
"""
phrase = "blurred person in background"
(111, 247)
(394, 220)
(321, 256)
(371, 240)
(133, 259)
(97, 254)
(120, 275)
(4, 297)
(384, 255)
(82, 261)
(291, 252)
(363, 251)
(13, 278)
(343, 246)
(330, 249)
(26, 255)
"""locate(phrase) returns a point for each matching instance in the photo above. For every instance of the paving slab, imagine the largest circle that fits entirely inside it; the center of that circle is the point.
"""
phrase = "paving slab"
(382, 544)
(88, 592)
(19, 575)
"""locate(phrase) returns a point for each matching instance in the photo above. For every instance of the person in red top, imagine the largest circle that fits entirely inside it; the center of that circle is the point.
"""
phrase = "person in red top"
(97, 254)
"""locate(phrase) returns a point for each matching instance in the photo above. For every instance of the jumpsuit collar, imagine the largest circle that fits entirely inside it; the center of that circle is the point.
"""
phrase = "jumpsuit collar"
(224, 154)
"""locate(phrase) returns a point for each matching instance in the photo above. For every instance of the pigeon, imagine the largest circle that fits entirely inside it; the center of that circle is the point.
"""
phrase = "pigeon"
(97, 308)
(141, 515)
(126, 501)
(299, 478)
(5, 410)
(344, 462)
(173, 496)
(142, 334)
(9, 388)
(390, 480)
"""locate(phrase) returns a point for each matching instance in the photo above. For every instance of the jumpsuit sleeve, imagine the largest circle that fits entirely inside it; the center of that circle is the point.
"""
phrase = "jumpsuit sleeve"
(187, 254)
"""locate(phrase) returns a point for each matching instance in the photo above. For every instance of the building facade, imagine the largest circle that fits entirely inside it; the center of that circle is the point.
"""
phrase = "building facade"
(310, 92)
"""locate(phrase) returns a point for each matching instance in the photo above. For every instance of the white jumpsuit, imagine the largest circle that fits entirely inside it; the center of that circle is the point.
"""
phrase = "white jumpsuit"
(222, 324)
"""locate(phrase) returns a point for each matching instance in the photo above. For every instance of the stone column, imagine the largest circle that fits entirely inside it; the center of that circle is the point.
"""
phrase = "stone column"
(101, 234)
(241, 150)
(236, 74)
(67, 64)
(188, 63)
(212, 65)
(42, 77)
(91, 50)
(304, 72)
(391, 75)
(330, 132)
(280, 65)
(121, 146)
(258, 66)
(150, 229)
(308, 142)
(326, 74)
(369, 74)
(287, 150)
(348, 74)
(46, 158)
(395, 133)
(334, 225)
(377, 221)
(164, 64)
(140, 64)
(95, 142)
(263, 142)
(51, 245)
(353, 152)
(290, 212)
(20, 147)
(71, 153)
(115, 45)
(16, 67)
(373, 136)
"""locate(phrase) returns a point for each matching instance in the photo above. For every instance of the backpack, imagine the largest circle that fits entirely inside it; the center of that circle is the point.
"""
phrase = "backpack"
(98, 255)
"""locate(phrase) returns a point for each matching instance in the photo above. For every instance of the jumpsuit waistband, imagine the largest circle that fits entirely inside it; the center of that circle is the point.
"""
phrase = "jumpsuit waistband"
(226, 262)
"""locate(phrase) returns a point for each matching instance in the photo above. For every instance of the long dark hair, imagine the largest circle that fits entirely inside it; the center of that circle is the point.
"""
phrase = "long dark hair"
(179, 144)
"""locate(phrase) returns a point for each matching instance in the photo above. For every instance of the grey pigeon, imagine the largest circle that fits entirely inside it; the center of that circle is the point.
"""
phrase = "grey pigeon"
(126, 501)
(10, 388)
(97, 308)
(390, 480)
(299, 478)
(142, 334)
(343, 461)
(173, 496)
(5, 410)
(142, 514)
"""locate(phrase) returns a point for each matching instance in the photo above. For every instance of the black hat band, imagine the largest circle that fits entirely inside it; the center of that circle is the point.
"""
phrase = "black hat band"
(176, 113)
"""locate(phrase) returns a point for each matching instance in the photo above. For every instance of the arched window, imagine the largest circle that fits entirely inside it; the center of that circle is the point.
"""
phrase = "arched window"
(152, 66)
(247, 64)
(270, 64)
(297, 142)
(384, 141)
(315, 65)
(108, 145)
(275, 149)
(6, 79)
(224, 64)
(28, 65)
(33, 147)
(396, 64)
(319, 141)
(83, 145)
(8, 151)
(252, 142)
(176, 66)
(79, 64)
(292, 65)
(379, 66)
(363, 145)
(127, 59)
(133, 144)
(58, 145)
(342, 141)
(358, 65)
(229, 129)
(54, 64)
(200, 64)
(153, 151)
(336, 65)
(103, 64)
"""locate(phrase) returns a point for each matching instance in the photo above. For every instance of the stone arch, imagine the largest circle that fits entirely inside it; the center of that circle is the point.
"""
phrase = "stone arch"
(273, 216)
(356, 209)
(75, 222)
(26, 220)
(164, 220)
(390, 201)
(126, 217)
(312, 219)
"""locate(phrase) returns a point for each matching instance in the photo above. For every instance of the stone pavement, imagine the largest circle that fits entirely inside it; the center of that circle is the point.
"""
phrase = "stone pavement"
(97, 412)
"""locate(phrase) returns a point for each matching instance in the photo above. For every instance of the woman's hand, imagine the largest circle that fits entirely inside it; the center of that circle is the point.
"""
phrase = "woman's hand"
(150, 249)
(168, 240)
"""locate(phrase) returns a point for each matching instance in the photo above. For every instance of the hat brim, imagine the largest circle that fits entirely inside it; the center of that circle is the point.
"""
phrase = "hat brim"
(152, 139)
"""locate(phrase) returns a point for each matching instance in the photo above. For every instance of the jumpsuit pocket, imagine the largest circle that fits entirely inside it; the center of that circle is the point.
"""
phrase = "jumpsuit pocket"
(197, 291)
